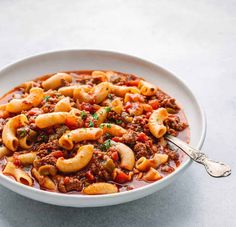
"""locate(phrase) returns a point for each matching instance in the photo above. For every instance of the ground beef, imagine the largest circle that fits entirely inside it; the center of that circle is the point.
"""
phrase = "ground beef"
(172, 154)
(67, 184)
(166, 101)
(49, 147)
(59, 132)
(140, 149)
(174, 125)
(47, 160)
(130, 138)
(98, 170)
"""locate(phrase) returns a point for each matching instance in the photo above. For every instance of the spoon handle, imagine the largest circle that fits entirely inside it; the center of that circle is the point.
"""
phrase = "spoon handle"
(213, 168)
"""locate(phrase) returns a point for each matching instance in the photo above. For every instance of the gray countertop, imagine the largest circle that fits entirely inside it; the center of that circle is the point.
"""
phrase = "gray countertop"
(193, 39)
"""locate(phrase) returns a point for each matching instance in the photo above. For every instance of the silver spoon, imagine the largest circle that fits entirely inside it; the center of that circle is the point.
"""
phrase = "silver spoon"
(213, 168)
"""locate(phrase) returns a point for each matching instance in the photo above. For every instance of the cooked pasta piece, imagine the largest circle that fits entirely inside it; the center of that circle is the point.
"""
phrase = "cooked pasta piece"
(126, 156)
(44, 181)
(113, 129)
(56, 81)
(24, 159)
(67, 91)
(158, 159)
(4, 152)
(82, 93)
(63, 105)
(9, 131)
(47, 170)
(26, 142)
(122, 90)
(19, 174)
(69, 138)
(147, 88)
(144, 164)
(155, 122)
(99, 74)
(78, 162)
(50, 119)
(152, 175)
(100, 188)
(101, 115)
(117, 105)
(101, 91)
(32, 100)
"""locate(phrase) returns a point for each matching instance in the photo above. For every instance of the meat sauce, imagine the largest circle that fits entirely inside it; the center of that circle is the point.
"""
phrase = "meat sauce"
(81, 76)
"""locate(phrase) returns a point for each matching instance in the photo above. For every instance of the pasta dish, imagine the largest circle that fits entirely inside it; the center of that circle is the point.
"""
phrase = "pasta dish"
(89, 132)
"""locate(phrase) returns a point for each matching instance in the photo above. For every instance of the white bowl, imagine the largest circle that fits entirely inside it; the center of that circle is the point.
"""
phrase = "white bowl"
(32, 67)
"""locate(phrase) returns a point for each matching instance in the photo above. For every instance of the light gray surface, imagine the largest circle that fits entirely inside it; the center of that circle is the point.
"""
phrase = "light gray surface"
(193, 39)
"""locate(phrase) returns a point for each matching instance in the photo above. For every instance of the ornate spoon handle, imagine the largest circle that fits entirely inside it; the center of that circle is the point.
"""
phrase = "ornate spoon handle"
(215, 169)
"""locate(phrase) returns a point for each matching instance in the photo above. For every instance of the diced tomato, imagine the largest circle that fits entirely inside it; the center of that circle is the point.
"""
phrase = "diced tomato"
(66, 180)
(128, 105)
(34, 111)
(72, 122)
(89, 175)
(115, 156)
(121, 177)
(148, 108)
(57, 154)
(148, 114)
(16, 161)
(116, 139)
(142, 137)
(132, 83)
(87, 107)
(154, 104)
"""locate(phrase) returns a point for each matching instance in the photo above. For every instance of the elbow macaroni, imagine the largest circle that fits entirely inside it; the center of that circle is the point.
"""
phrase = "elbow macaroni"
(100, 188)
(56, 81)
(78, 162)
(113, 129)
(32, 100)
(50, 119)
(126, 156)
(20, 175)
(9, 131)
(155, 122)
(146, 88)
(63, 105)
(68, 139)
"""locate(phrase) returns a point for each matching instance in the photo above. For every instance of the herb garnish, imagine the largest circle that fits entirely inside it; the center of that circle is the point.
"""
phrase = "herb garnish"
(22, 133)
(118, 122)
(107, 109)
(106, 145)
(95, 116)
(83, 115)
(91, 124)
(46, 98)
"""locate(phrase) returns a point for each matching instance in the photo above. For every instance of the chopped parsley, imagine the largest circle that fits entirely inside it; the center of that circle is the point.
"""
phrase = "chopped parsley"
(109, 96)
(91, 124)
(119, 122)
(107, 109)
(46, 98)
(106, 145)
(95, 116)
(107, 135)
(22, 133)
(108, 125)
(83, 115)
(101, 126)
(44, 138)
